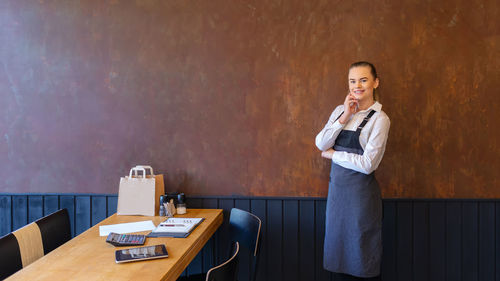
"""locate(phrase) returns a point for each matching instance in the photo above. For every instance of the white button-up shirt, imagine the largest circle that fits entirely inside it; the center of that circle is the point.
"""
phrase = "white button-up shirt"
(372, 139)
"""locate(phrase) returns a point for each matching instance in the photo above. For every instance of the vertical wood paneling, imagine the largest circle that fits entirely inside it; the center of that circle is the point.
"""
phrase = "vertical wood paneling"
(389, 263)
(50, 204)
(258, 208)
(469, 241)
(209, 251)
(243, 204)
(194, 203)
(98, 209)
(423, 240)
(20, 211)
(320, 212)
(68, 202)
(437, 241)
(35, 207)
(420, 241)
(274, 240)
(82, 214)
(196, 265)
(306, 239)
(404, 239)
(6, 215)
(226, 205)
(210, 203)
(497, 241)
(486, 241)
(453, 240)
(223, 235)
(290, 239)
(112, 204)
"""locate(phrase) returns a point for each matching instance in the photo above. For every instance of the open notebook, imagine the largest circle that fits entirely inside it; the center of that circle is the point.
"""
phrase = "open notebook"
(175, 227)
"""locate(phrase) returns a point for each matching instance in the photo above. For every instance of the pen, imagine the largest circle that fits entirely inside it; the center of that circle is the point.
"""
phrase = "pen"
(172, 225)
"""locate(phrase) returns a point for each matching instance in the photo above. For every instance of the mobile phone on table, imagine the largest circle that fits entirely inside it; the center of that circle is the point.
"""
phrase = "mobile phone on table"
(141, 253)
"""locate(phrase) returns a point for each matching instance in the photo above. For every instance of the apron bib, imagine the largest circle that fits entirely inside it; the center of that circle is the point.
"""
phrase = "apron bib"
(353, 229)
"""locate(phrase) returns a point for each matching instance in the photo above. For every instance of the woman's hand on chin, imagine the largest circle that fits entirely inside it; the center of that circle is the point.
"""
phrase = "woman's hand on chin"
(351, 105)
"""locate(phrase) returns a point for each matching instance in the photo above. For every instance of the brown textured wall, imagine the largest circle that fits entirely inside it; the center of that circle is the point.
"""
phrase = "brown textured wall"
(226, 97)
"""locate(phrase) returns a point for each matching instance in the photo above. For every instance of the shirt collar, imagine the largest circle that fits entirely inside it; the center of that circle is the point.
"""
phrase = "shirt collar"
(376, 106)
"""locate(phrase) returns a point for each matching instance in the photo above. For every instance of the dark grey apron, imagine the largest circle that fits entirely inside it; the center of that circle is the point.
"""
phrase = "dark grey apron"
(353, 234)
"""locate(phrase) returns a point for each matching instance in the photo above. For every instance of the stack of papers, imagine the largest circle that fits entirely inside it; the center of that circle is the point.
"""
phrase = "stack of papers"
(128, 227)
(176, 227)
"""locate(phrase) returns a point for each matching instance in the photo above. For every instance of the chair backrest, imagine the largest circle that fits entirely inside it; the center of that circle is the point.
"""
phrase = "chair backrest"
(29, 243)
(245, 227)
(10, 257)
(55, 230)
(226, 271)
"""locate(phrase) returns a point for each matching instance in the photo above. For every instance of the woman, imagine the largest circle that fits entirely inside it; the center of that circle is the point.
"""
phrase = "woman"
(354, 138)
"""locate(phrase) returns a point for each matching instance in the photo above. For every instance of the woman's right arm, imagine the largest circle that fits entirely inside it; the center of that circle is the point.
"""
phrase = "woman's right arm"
(326, 138)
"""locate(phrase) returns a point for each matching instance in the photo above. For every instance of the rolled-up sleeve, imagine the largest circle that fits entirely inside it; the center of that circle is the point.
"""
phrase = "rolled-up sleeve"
(326, 138)
(373, 152)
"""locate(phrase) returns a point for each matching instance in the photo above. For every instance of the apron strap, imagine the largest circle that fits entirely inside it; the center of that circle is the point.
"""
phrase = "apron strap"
(365, 120)
(339, 116)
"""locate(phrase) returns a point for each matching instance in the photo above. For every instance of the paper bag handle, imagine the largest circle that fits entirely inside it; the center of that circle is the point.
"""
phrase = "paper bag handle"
(141, 168)
(146, 167)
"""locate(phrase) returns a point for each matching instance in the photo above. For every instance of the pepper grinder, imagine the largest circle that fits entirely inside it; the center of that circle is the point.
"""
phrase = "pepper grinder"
(162, 207)
(181, 205)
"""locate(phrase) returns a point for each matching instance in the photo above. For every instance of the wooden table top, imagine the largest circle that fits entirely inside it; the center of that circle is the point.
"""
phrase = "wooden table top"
(89, 257)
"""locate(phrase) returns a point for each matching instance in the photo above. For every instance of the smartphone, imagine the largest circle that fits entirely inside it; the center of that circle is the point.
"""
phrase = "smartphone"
(141, 253)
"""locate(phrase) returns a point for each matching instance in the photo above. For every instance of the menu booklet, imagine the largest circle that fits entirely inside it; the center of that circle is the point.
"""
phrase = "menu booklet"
(175, 227)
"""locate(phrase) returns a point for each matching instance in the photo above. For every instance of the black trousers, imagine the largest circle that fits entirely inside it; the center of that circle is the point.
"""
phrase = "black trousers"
(347, 277)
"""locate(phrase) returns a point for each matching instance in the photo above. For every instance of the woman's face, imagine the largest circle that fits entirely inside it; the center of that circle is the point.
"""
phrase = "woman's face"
(362, 83)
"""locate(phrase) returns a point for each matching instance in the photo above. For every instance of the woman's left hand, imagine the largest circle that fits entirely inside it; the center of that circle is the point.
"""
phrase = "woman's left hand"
(328, 154)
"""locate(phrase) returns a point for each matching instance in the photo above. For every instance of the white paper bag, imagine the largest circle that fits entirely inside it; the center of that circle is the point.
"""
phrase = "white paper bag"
(140, 195)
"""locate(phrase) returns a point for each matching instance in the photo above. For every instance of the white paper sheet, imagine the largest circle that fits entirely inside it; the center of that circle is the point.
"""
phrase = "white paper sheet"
(129, 227)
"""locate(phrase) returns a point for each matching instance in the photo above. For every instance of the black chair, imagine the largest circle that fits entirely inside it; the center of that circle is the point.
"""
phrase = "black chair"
(31, 242)
(244, 229)
(226, 271)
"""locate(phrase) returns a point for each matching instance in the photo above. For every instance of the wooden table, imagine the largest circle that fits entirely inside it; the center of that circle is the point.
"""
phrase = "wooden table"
(89, 257)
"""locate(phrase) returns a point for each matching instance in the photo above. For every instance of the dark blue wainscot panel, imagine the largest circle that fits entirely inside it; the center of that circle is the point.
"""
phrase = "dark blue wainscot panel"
(423, 239)
(85, 210)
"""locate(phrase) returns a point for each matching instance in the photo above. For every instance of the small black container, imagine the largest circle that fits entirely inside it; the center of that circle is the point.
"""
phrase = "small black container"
(172, 195)
(163, 199)
(181, 198)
